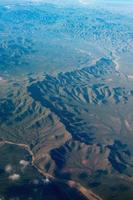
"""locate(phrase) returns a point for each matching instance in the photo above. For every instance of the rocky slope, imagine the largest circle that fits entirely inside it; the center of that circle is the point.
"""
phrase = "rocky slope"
(78, 125)
(95, 107)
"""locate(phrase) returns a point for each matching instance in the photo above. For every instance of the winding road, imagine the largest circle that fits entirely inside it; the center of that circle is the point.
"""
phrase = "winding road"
(86, 192)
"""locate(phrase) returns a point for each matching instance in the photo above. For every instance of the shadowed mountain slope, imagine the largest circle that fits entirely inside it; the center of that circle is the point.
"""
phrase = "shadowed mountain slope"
(94, 105)
(78, 126)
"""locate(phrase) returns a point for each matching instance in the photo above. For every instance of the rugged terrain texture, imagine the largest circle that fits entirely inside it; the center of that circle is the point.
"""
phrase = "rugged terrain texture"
(47, 37)
(94, 105)
(78, 126)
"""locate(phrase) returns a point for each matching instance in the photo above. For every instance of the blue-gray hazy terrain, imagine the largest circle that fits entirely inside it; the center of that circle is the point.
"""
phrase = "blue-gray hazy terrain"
(49, 36)
(66, 99)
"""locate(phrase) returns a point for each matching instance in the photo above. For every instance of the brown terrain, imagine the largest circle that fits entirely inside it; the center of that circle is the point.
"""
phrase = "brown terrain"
(77, 128)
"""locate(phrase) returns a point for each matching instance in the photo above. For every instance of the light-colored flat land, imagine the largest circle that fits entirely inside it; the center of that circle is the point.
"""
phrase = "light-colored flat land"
(130, 76)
